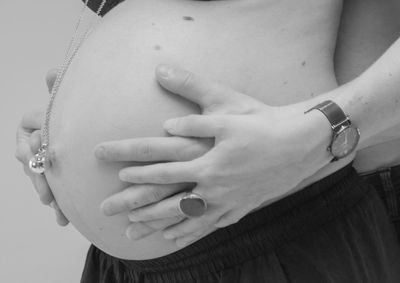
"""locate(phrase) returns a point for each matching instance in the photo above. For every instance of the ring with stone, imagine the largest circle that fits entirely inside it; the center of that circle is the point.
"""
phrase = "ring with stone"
(192, 205)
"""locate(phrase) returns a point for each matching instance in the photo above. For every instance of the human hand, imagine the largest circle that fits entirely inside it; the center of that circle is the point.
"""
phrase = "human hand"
(28, 143)
(260, 154)
(135, 196)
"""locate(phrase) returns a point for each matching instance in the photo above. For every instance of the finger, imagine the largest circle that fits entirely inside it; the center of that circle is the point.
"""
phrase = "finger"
(35, 141)
(195, 126)
(136, 231)
(43, 189)
(166, 208)
(51, 77)
(32, 121)
(191, 238)
(139, 230)
(23, 152)
(231, 218)
(203, 92)
(140, 195)
(41, 186)
(161, 173)
(194, 225)
(153, 149)
(29, 124)
(60, 217)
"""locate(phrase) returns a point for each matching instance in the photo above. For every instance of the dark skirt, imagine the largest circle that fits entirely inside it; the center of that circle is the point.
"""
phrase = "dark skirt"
(336, 230)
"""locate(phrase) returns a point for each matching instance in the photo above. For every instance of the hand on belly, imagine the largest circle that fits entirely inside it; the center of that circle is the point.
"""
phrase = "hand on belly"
(260, 154)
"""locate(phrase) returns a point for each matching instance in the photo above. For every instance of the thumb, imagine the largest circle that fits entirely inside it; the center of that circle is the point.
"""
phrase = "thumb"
(51, 78)
(206, 93)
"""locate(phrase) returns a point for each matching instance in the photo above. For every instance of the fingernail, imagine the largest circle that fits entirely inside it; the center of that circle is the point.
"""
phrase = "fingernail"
(132, 234)
(164, 71)
(182, 244)
(132, 217)
(169, 124)
(99, 152)
(168, 236)
(106, 207)
(123, 176)
(128, 234)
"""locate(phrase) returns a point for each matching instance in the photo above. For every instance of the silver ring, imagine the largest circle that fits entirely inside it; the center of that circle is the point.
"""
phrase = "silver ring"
(192, 205)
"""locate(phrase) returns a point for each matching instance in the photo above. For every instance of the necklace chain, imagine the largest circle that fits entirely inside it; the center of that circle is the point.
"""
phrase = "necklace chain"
(38, 162)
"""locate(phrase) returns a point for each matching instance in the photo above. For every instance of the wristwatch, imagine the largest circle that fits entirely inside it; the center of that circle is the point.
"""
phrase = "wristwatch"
(345, 136)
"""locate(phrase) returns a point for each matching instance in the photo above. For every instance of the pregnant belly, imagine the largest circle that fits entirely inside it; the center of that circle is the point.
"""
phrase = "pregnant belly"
(267, 49)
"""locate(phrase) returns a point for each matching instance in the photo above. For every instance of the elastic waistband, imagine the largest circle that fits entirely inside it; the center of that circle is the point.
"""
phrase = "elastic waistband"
(375, 175)
(261, 231)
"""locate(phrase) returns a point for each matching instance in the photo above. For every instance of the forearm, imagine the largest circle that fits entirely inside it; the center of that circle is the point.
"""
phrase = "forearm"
(373, 99)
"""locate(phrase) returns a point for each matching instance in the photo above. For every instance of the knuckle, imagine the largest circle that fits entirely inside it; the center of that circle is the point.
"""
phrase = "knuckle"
(207, 172)
(187, 81)
(206, 194)
(202, 173)
(31, 118)
(205, 220)
(154, 194)
(164, 177)
(18, 155)
(192, 150)
(221, 126)
(124, 201)
(176, 210)
(143, 150)
(129, 203)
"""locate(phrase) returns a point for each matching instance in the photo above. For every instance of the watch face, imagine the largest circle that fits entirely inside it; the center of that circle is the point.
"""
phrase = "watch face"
(345, 142)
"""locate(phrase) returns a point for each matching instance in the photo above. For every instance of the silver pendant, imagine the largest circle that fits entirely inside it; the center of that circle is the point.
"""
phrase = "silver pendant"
(37, 164)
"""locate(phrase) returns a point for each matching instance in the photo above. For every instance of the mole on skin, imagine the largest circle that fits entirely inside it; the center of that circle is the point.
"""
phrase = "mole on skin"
(188, 18)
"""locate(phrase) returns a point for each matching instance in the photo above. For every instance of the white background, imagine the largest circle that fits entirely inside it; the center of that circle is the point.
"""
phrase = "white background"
(33, 38)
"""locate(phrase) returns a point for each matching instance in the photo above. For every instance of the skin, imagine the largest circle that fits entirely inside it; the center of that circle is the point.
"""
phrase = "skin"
(376, 151)
(71, 141)
(28, 142)
(222, 190)
(247, 112)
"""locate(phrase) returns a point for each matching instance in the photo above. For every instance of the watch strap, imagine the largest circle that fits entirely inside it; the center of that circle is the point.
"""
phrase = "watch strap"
(332, 111)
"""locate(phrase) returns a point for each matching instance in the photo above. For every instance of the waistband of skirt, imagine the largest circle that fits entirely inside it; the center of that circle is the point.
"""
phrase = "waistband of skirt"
(261, 231)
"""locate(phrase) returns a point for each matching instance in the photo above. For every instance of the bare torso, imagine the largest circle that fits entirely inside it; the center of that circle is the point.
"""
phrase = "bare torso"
(279, 52)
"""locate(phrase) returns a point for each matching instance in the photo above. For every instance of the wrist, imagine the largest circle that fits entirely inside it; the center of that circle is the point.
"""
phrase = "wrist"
(318, 138)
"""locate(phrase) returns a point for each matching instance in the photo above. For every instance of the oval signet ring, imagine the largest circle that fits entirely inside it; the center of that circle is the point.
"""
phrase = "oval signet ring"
(192, 205)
